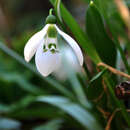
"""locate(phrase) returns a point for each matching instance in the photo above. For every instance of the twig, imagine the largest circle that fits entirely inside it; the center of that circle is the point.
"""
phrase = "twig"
(113, 70)
(105, 114)
(110, 119)
(99, 97)
(128, 110)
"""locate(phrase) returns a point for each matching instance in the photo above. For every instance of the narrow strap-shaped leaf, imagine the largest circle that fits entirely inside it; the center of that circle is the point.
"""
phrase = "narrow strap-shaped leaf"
(84, 117)
(97, 76)
(51, 125)
(23, 83)
(96, 32)
(57, 8)
(103, 5)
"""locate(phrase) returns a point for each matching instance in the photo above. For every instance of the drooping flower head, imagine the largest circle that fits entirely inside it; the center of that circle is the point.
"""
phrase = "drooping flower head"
(44, 44)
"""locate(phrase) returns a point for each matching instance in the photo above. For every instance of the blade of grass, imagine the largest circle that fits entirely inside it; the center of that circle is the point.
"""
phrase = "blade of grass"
(23, 83)
(78, 90)
(54, 124)
(100, 39)
(84, 117)
(57, 8)
(97, 76)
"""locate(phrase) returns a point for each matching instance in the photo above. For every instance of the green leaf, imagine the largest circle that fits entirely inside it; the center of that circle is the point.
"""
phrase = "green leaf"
(78, 90)
(97, 76)
(51, 125)
(22, 82)
(4, 108)
(24, 102)
(9, 124)
(106, 10)
(83, 116)
(57, 8)
(45, 112)
(80, 36)
(96, 32)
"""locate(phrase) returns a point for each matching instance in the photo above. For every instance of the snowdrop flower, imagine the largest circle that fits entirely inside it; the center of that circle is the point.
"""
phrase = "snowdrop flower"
(44, 44)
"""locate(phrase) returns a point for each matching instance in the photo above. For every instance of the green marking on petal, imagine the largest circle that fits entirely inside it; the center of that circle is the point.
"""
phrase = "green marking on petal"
(44, 48)
(52, 44)
(53, 51)
(52, 32)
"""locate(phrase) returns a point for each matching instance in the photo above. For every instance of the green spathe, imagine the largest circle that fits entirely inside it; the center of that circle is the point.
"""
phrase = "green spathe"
(51, 19)
(52, 32)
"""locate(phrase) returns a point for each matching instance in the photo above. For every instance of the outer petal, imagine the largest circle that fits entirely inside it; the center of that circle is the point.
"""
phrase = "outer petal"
(33, 43)
(46, 62)
(70, 64)
(73, 44)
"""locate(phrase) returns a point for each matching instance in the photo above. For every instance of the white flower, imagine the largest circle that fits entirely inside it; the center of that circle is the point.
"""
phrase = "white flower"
(45, 44)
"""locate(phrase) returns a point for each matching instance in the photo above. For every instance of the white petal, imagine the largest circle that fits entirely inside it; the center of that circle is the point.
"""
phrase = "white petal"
(46, 62)
(70, 64)
(73, 44)
(52, 40)
(33, 43)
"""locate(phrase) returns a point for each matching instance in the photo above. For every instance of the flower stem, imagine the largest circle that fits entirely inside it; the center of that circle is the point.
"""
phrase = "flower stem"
(50, 11)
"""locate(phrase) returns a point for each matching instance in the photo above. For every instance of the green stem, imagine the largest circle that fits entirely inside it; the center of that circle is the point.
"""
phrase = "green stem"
(50, 11)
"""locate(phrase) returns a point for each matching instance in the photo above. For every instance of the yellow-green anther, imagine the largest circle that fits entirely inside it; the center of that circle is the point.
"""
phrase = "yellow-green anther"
(52, 32)
(53, 51)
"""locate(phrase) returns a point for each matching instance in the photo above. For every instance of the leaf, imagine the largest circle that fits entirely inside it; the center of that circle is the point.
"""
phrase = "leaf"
(57, 8)
(105, 8)
(97, 76)
(95, 87)
(24, 102)
(80, 36)
(44, 112)
(96, 32)
(4, 108)
(51, 125)
(83, 116)
(22, 82)
(9, 124)
(78, 90)
(112, 16)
